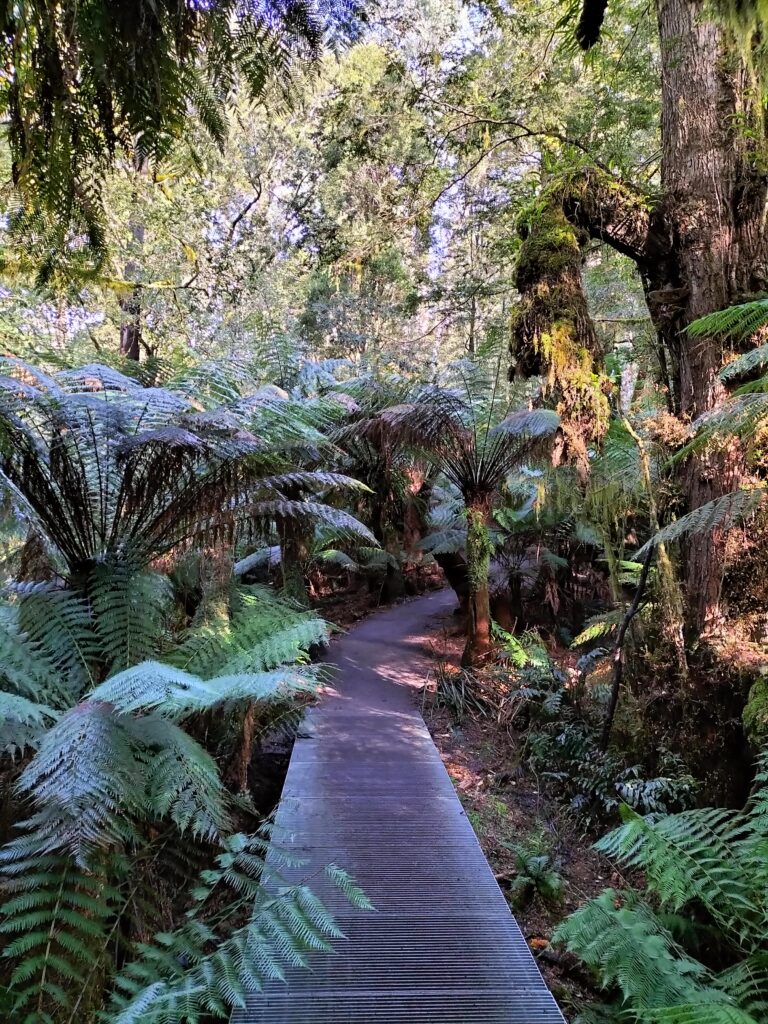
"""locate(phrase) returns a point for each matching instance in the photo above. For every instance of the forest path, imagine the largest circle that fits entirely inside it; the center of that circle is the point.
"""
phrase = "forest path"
(367, 790)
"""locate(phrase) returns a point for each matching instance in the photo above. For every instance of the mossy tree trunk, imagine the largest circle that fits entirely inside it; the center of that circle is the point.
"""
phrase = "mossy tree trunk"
(478, 566)
(699, 244)
(552, 333)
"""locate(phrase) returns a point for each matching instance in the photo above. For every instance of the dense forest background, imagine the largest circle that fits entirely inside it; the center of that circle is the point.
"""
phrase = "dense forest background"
(305, 309)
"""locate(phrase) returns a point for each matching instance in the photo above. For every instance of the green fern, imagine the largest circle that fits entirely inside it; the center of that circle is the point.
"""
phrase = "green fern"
(719, 514)
(129, 608)
(736, 323)
(23, 723)
(58, 920)
(599, 627)
(264, 632)
(205, 966)
(619, 935)
(704, 867)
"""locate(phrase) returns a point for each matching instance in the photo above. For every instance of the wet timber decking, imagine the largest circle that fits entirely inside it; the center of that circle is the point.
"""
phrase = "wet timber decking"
(367, 791)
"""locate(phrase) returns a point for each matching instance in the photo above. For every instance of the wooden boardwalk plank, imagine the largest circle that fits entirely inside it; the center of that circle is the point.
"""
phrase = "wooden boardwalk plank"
(366, 789)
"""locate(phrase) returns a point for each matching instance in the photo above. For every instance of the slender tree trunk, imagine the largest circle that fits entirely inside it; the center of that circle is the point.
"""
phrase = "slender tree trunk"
(618, 651)
(130, 327)
(478, 565)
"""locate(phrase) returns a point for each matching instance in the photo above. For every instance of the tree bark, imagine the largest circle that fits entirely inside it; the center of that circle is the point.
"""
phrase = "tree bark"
(552, 332)
(478, 565)
(130, 326)
(714, 207)
(699, 248)
(618, 652)
(294, 556)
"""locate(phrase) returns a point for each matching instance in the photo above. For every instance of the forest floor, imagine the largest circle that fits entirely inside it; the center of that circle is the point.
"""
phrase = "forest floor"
(509, 808)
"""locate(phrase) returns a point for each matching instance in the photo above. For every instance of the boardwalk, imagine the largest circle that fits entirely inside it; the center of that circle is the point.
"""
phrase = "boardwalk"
(368, 791)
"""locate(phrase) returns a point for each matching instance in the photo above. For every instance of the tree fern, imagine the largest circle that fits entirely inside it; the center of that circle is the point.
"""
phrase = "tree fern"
(108, 705)
(204, 966)
(620, 936)
(175, 694)
(24, 667)
(708, 865)
(720, 513)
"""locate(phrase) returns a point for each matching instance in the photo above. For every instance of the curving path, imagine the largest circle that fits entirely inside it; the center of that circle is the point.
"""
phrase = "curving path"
(367, 790)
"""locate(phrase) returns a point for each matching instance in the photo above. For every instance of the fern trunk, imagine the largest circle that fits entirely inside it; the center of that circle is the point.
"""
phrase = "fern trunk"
(478, 565)
(294, 556)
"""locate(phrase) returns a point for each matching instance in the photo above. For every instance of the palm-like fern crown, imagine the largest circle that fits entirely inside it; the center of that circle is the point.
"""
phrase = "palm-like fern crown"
(90, 78)
(109, 469)
(464, 428)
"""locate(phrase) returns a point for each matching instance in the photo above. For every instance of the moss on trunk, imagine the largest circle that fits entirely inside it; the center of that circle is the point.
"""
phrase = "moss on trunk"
(478, 565)
(552, 333)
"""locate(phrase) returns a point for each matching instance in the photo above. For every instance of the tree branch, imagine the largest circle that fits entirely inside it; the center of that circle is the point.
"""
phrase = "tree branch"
(614, 212)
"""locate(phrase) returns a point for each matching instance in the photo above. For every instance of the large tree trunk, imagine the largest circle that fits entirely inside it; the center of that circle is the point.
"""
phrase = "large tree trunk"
(699, 248)
(553, 334)
(714, 208)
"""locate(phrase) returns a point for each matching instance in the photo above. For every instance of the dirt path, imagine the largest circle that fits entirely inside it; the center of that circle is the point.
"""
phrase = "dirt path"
(366, 789)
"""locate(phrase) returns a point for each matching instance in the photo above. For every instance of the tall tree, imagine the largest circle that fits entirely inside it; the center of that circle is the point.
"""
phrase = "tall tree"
(700, 243)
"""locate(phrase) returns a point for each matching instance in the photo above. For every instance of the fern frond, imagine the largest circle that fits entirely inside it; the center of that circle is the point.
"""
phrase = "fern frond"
(182, 781)
(58, 622)
(22, 723)
(719, 514)
(746, 984)
(200, 967)
(620, 936)
(736, 323)
(87, 784)
(23, 665)
(263, 633)
(686, 858)
(444, 541)
(57, 922)
(129, 611)
(598, 627)
(175, 694)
